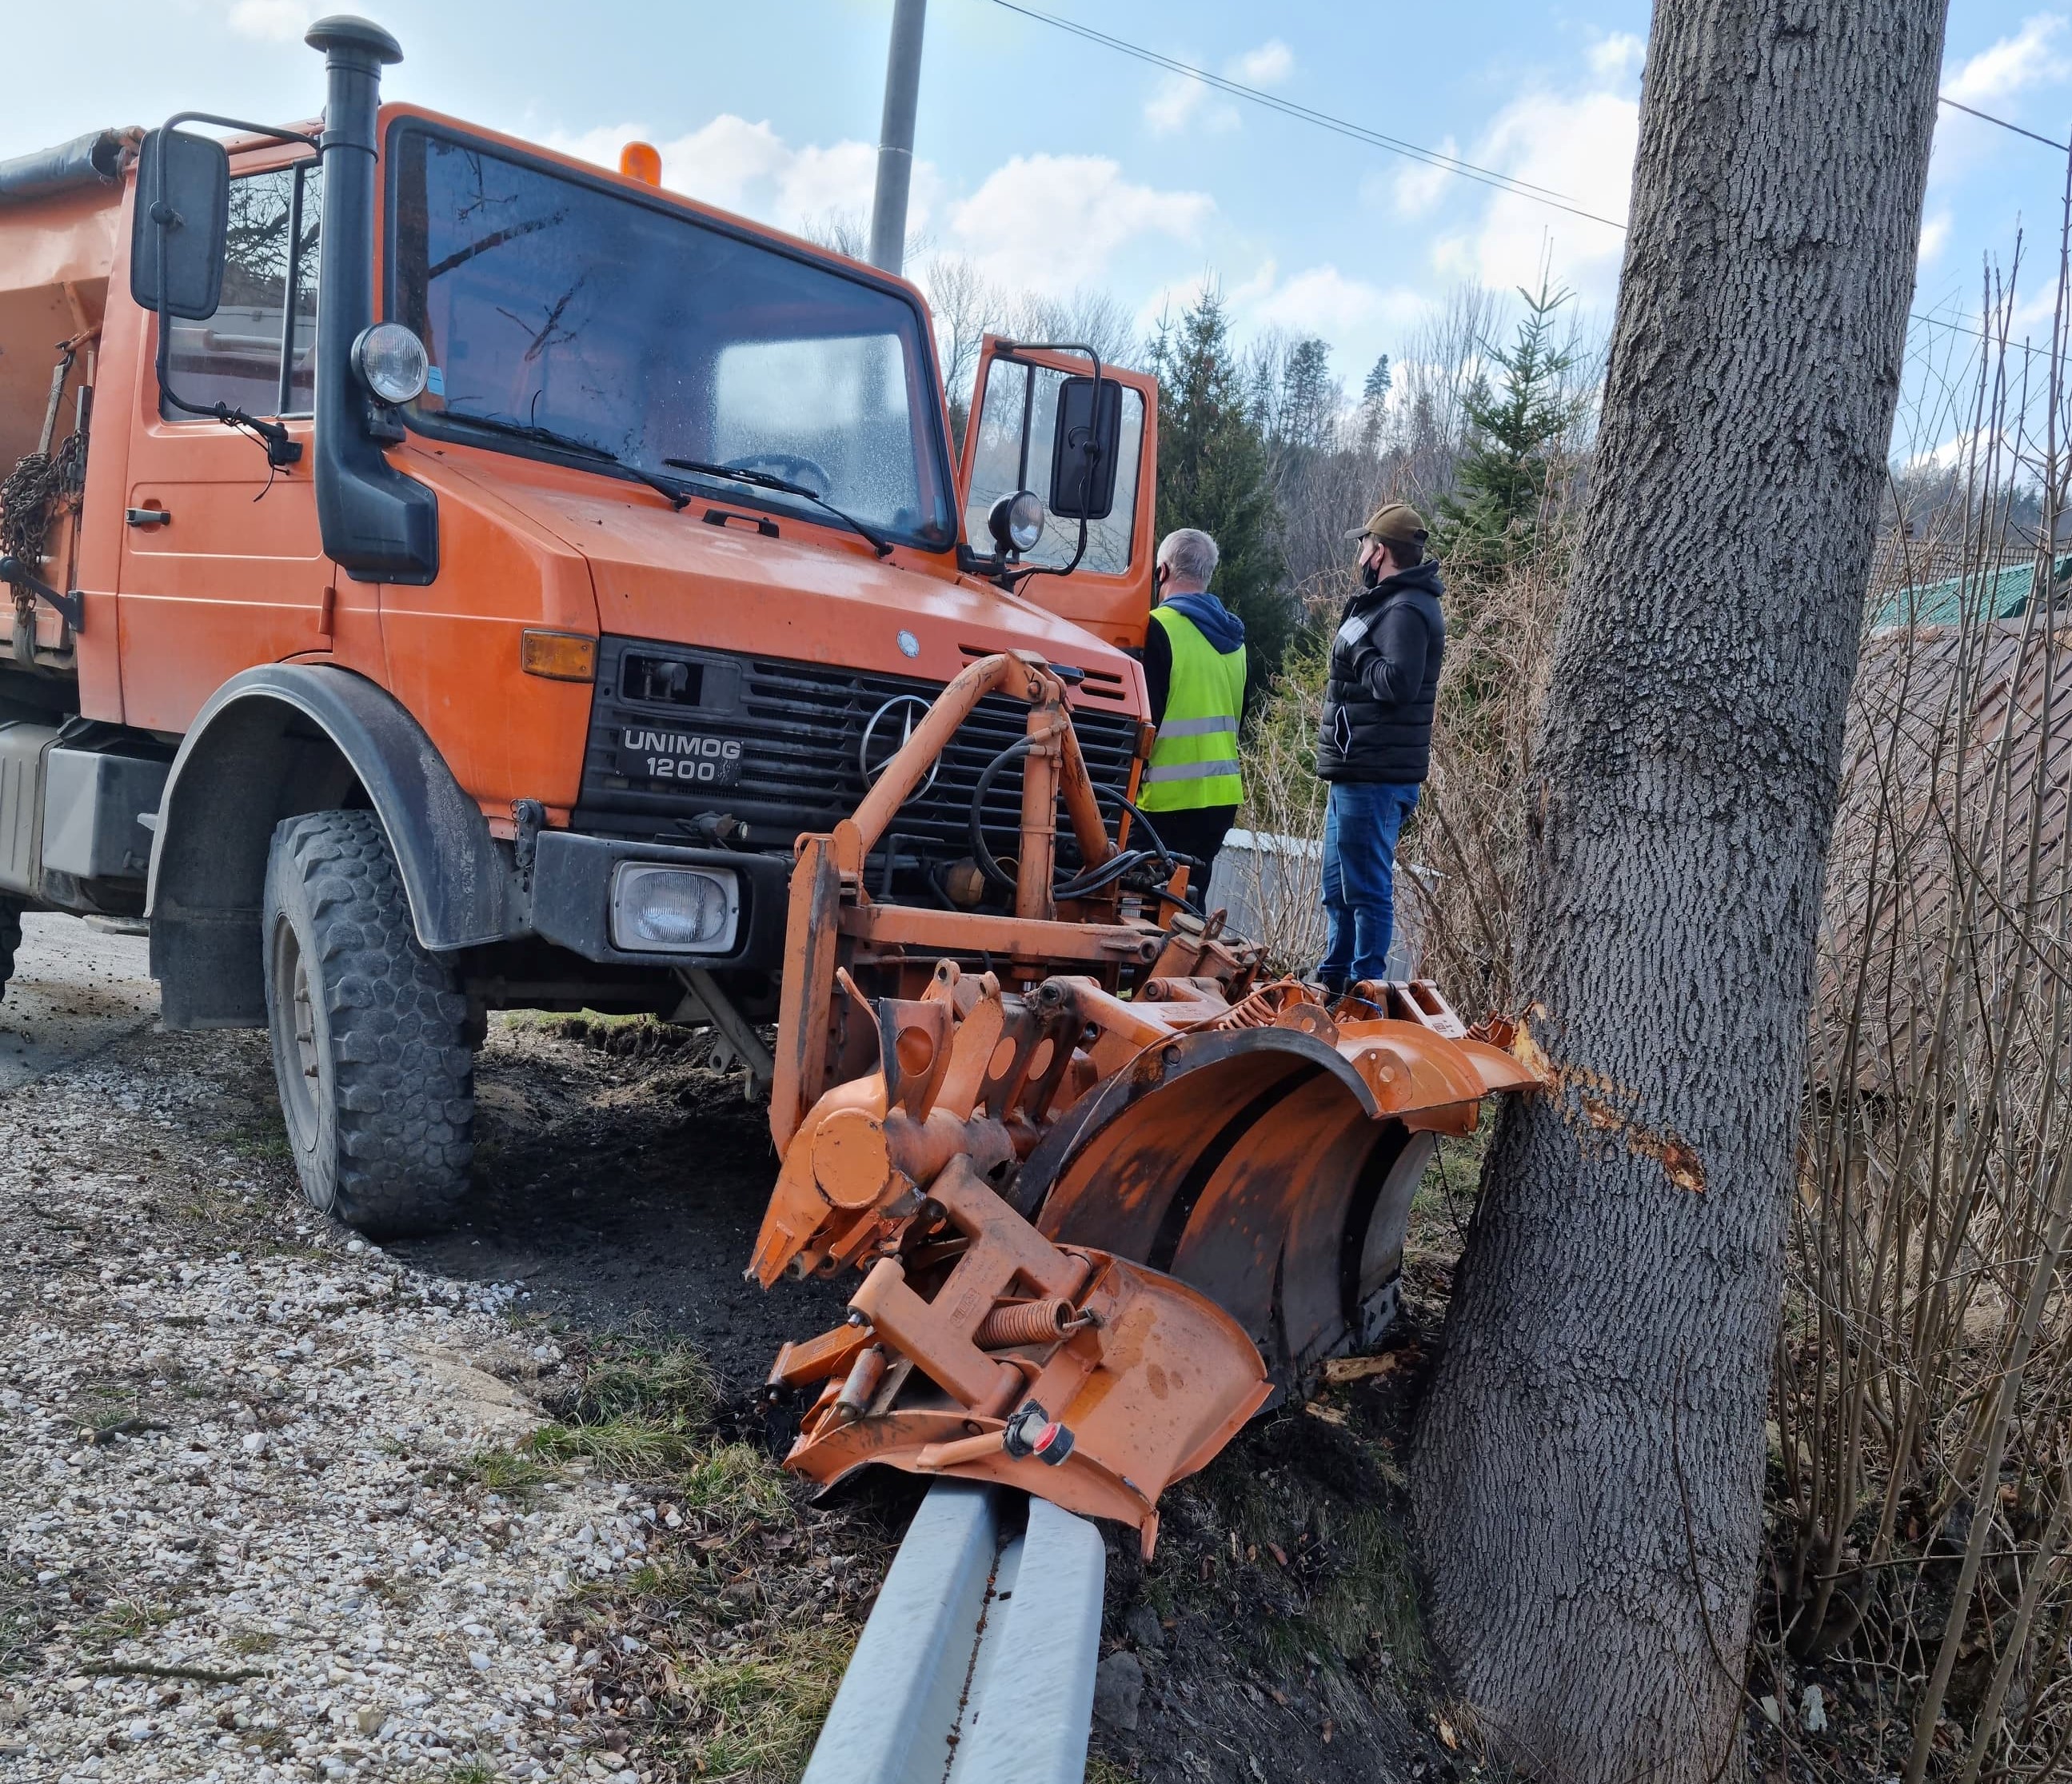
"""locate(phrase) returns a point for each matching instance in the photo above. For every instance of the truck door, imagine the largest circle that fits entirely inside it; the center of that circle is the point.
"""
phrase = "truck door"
(1008, 443)
(234, 572)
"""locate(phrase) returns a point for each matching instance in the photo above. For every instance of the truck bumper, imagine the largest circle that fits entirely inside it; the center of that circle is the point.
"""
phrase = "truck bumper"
(572, 878)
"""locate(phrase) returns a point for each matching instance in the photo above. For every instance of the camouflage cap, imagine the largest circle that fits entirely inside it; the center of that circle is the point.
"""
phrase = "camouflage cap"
(1394, 522)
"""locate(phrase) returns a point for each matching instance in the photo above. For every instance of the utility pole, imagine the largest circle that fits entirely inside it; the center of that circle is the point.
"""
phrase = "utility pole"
(895, 136)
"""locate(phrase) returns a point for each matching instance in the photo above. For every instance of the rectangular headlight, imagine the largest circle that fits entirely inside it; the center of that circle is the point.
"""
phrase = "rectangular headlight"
(659, 909)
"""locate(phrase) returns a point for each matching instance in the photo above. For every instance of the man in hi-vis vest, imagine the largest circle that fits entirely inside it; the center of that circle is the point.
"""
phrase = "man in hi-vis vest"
(1193, 671)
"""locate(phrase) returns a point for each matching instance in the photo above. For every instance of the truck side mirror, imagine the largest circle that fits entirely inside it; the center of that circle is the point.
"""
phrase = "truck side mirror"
(180, 224)
(1084, 452)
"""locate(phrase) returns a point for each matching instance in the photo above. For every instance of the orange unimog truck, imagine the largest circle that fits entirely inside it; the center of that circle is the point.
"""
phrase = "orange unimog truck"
(448, 576)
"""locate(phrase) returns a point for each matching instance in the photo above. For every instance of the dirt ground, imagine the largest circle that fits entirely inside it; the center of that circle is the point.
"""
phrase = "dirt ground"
(624, 1192)
(619, 1184)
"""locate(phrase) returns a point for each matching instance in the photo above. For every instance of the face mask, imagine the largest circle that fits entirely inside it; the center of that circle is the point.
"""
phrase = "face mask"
(1370, 575)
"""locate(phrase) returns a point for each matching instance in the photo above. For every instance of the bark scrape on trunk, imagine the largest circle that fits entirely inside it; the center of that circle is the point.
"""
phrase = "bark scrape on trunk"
(1590, 1468)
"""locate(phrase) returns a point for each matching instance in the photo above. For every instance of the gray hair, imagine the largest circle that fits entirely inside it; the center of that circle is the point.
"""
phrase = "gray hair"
(1190, 554)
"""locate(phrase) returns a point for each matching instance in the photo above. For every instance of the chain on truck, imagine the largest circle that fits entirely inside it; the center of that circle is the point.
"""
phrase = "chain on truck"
(449, 577)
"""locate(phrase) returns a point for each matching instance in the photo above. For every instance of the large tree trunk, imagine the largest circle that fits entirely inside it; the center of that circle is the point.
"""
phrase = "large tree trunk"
(1589, 1470)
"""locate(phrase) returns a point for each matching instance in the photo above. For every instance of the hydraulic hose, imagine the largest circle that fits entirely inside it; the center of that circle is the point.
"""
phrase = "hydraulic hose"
(1094, 878)
(981, 852)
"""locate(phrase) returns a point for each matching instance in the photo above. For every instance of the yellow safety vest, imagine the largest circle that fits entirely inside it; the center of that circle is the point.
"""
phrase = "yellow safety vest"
(1194, 763)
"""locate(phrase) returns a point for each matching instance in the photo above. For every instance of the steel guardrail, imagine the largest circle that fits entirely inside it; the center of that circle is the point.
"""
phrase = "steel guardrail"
(977, 1665)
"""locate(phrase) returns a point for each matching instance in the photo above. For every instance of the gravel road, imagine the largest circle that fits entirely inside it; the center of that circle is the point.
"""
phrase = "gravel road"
(238, 1538)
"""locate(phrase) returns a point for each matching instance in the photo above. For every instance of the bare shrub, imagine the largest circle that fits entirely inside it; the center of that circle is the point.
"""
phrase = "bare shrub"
(1923, 1394)
(1469, 828)
(1283, 799)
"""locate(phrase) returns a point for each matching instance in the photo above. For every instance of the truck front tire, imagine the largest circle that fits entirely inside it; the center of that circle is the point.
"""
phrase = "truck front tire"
(376, 1082)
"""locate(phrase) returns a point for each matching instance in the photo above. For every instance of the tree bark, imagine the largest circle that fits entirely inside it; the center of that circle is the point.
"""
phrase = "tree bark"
(1589, 1472)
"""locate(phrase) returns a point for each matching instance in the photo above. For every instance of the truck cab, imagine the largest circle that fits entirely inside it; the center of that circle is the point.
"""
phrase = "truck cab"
(448, 576)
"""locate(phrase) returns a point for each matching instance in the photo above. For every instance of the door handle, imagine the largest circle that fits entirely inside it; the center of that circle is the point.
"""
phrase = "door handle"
(147, 517)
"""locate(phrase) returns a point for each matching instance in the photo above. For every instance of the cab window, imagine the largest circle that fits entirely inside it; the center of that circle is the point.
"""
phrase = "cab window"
(1017, 423)
(258, 352)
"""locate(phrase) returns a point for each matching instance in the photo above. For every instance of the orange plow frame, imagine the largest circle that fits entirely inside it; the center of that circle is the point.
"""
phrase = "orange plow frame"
(1109, 1195)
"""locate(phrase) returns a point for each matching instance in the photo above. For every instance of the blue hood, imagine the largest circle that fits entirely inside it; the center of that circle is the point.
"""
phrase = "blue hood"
(1223, 629)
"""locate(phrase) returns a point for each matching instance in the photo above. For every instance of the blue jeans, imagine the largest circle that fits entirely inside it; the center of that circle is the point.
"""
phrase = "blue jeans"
(1361, 824)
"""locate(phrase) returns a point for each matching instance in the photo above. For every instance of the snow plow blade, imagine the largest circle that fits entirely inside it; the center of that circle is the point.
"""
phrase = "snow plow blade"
(1109, 1199)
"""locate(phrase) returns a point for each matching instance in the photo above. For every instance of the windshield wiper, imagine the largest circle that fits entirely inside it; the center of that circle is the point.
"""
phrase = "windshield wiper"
(565, 442)
(763, 479)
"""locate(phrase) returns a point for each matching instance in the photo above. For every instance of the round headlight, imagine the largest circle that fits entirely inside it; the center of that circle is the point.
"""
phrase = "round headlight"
(391, 362)
(1017, 521)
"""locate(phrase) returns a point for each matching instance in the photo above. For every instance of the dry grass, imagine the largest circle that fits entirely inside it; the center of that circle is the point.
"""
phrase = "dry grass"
(121, 1620)
(1290, 1546)
(745, 1616)
(1922, 1477)
(1284, 798)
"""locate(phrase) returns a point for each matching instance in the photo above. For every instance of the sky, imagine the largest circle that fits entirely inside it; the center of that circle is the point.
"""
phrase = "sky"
(1057, 164)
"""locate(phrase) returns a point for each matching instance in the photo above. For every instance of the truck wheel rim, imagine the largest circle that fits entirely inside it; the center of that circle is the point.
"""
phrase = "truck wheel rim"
(305, 1076)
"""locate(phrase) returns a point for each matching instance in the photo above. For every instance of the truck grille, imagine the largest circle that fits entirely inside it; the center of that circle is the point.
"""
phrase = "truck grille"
(799, 727)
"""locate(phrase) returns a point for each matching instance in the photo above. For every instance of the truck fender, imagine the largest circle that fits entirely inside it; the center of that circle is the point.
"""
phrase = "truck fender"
(271, 743)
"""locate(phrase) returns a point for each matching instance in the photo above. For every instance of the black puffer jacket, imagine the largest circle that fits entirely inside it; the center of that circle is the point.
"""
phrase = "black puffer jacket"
(1384, 679)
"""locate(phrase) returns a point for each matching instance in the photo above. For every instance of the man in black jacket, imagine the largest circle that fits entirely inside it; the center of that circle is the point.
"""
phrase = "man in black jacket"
(1374, 745)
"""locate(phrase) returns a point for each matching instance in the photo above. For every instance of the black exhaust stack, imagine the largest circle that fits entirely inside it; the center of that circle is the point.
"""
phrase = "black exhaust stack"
(379, 524)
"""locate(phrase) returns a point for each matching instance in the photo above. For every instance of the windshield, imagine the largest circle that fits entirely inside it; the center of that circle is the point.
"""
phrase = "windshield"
(548, 303)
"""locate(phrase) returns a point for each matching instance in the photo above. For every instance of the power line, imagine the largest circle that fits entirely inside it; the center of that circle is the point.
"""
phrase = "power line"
(1431, 158)
(1972, 111)
(1977, 335)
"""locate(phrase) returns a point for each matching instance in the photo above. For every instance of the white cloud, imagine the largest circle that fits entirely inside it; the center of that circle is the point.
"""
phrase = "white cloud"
(1987, 447)
(1179, 100)
(1419, 186)
(2032, 57)
(1934, 236)
(841, 177)
(1582, 147)
(1255, 287)
(273, 21)
(1169, 300)
(747, 167)
(1047, 223)
(1617, 58)
(729, 162)
(1051, 222)
(1320, 300)
(1272, 62)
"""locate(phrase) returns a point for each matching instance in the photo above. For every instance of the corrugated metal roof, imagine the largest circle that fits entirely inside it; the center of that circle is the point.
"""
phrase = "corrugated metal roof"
(1957, 780)
(1979, 595)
